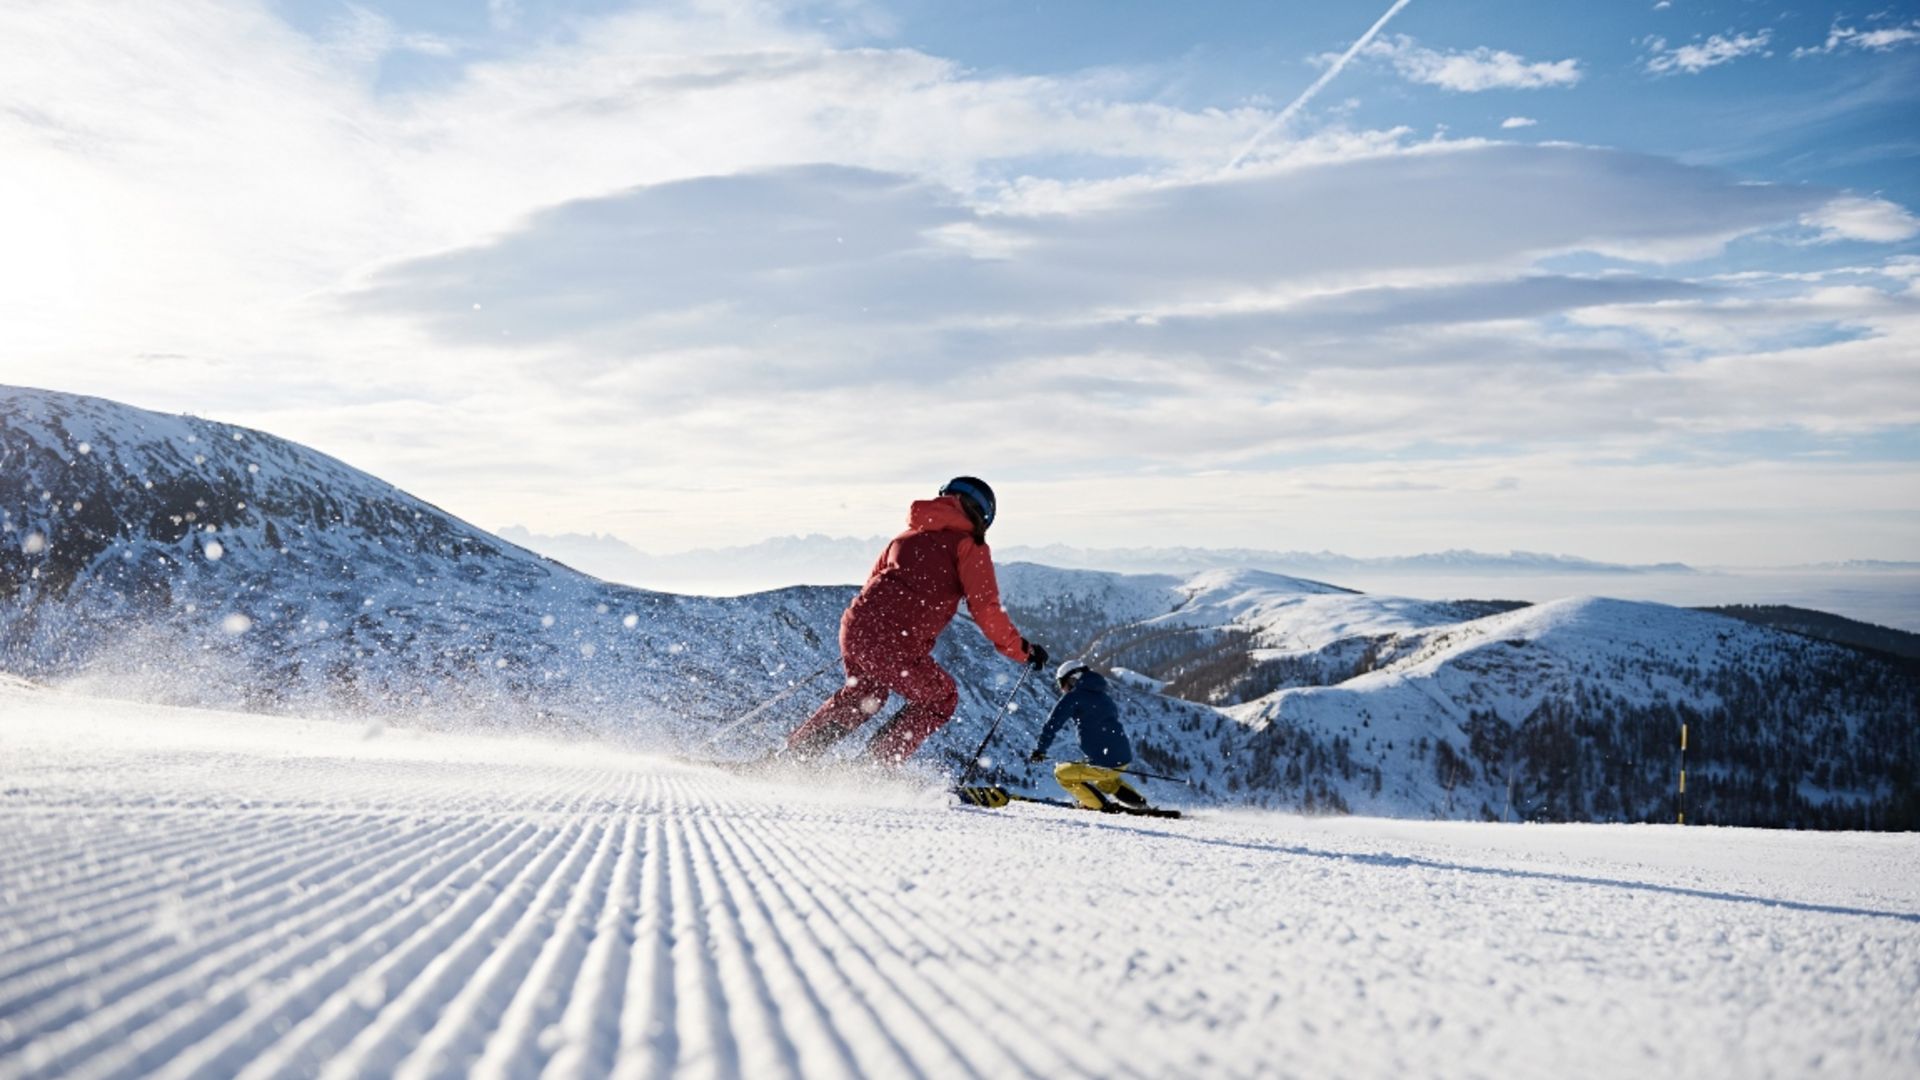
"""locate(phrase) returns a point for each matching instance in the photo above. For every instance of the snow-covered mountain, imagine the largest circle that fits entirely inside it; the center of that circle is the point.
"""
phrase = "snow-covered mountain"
(1327, 563)
(1397, 706)
(1573, 710)
(1218, 636)
(818, 559)
(188, 561)
(773, 563)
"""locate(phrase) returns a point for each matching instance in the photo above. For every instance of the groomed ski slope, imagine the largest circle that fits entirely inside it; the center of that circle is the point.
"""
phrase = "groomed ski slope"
(199, 894)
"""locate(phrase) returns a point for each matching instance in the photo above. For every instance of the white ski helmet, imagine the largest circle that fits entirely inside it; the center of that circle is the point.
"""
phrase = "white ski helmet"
(1069, 672)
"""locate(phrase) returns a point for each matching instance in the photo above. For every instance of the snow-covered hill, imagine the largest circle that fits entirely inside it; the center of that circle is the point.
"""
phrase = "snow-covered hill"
(1579, 704)
(184, 560)
(1218, 636)
(1391, 705)
(188, 561)
(192, 894)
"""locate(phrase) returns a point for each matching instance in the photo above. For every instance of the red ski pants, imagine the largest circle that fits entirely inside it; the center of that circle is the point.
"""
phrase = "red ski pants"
(931, 699)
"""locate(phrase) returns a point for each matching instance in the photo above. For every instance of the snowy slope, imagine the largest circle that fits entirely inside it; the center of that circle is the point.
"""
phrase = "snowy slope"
(1218, 636)
(183, 560)
(192, 562)
(334, 592)
(194, 894)
(1387, 705)
(1580, 702)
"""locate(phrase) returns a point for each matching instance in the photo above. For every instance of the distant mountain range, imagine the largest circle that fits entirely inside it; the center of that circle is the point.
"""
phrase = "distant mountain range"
(190, 561)
(818, 559)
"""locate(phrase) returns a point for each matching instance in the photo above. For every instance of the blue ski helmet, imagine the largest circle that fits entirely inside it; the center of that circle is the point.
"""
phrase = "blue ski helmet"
(975, 490)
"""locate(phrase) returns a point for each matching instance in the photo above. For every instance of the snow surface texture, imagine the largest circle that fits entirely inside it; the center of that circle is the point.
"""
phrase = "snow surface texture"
(199, 894)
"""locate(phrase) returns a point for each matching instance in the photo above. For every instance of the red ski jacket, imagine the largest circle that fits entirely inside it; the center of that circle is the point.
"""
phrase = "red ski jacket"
(917, 585)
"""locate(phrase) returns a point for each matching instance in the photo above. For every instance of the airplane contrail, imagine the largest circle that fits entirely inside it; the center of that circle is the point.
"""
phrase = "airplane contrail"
(1286, 114)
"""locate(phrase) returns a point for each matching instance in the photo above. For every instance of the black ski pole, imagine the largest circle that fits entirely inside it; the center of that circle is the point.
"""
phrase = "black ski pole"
(1133, 772)
(973, 763)
(769, 703)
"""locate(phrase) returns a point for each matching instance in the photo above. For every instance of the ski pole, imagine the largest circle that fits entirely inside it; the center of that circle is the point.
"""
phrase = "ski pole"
(1132, 772)
(973, 763)
(769, 703)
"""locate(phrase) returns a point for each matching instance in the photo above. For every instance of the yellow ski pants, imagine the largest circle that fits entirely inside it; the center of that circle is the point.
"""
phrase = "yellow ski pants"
(1081, 781)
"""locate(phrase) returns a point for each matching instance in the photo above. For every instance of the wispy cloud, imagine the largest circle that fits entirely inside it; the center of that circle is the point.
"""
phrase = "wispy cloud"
(1513, 122)
(1473, 70)
(1698, 56)
(1855, 218)
(701, 261)
(1879, 39)
(701, 257)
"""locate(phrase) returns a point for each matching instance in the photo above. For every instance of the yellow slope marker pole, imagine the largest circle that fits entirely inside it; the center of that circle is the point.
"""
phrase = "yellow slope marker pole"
(1682, 803)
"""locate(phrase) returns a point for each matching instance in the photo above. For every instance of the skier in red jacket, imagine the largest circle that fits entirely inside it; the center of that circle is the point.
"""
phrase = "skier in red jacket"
(888, 632)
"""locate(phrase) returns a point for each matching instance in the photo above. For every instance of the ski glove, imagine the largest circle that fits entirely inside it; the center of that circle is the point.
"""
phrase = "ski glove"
(1036, 654)
(1037, 756)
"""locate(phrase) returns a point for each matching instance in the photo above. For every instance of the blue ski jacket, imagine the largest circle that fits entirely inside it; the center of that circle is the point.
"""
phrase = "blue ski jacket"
(1090, 706)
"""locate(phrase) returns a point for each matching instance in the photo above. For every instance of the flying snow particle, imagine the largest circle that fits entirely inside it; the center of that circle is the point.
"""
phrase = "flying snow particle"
(630, 621)
(500, 663)
(546, 621)
(238, 437)
(588, 650)
(677, 648)
(85, 448)
(236, 624)
(601, 608)
(199, 459)
(253, 468)
(214, 550)
(34, 544)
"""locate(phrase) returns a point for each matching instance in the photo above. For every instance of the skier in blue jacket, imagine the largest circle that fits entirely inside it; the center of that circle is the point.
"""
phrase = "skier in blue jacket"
(1097, 782)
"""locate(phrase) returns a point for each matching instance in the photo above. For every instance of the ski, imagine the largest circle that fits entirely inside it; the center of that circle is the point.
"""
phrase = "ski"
(993, 797)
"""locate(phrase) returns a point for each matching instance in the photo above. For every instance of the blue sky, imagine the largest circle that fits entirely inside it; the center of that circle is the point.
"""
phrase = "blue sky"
(1635, 281)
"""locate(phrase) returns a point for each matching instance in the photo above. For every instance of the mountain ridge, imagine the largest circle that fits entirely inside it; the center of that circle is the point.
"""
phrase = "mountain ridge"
(194, 562)
(845, 559)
